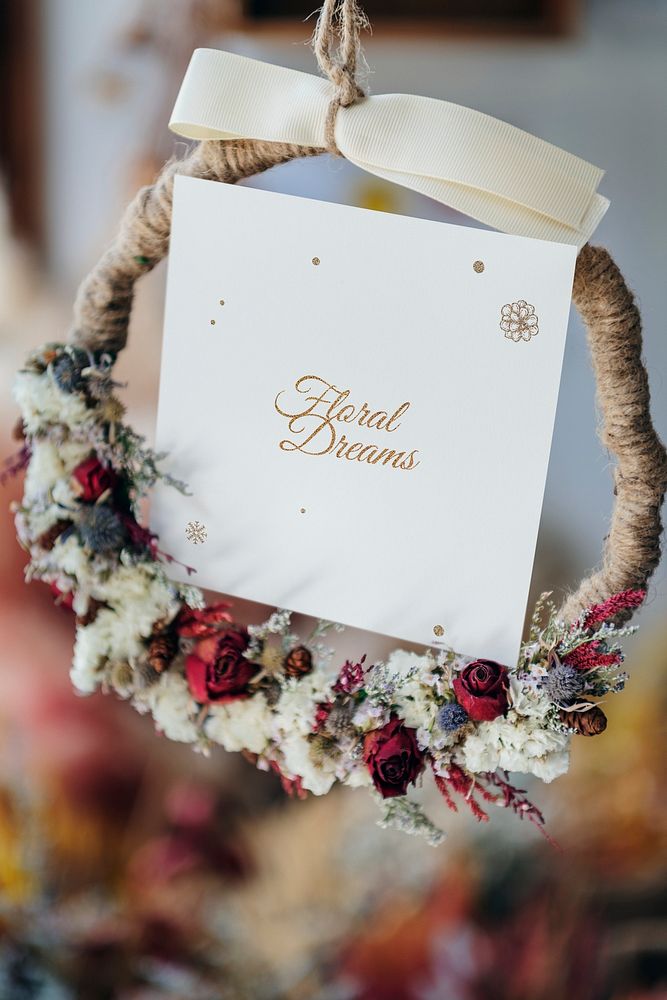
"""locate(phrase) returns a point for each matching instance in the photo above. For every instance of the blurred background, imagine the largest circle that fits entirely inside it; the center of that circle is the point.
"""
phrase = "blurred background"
(132, 868)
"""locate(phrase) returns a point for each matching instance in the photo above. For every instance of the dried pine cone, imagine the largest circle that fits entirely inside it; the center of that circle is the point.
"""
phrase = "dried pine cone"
(49, 537)
(588, 722)
(162, 649)
(298, 662)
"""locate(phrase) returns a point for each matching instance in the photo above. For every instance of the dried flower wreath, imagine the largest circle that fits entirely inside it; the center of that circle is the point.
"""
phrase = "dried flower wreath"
(284, 700)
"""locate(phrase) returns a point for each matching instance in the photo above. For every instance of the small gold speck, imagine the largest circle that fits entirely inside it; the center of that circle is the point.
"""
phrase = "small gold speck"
(212, 322)
(478, 266)
(302, 510)
(316, 261)
(438, 630)
(222, 302)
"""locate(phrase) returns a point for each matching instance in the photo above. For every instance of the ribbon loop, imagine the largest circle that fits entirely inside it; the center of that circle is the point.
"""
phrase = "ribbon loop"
(481, 166)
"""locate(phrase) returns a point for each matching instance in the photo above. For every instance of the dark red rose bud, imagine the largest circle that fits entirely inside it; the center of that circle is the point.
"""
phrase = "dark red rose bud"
(217, 670)
(393, 758)
(481, 689)
(91, 479)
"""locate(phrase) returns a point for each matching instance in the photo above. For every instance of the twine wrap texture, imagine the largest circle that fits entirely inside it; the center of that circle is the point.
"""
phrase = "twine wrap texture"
(607, 308)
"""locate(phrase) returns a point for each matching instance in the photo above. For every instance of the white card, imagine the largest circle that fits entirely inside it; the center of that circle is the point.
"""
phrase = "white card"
(428, 358)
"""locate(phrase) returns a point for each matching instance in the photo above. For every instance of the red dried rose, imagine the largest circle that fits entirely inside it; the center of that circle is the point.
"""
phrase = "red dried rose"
(218, 670)
(393, 758)
(481, 689)
(91, 479)
(199, 623)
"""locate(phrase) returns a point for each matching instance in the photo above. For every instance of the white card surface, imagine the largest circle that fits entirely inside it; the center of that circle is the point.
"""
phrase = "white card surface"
(365, 422)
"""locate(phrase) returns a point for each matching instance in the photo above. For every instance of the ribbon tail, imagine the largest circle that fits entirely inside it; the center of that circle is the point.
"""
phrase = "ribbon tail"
(494, 211)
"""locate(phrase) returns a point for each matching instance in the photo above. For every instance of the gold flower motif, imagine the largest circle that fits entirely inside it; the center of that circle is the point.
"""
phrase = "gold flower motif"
(195, 532)
(518, 320)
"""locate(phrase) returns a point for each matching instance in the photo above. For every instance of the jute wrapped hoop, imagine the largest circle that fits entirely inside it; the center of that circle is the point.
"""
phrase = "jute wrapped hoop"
(607, 308)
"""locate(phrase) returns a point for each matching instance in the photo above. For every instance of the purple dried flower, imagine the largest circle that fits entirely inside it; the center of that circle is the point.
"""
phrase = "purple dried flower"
(563, 683)
(101, 529)
(351, 677)
(451, 717)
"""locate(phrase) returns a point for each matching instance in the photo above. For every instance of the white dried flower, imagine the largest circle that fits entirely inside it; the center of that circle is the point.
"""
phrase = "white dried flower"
(243, 724)
(515, 743)
(42, 403)
(173, 707)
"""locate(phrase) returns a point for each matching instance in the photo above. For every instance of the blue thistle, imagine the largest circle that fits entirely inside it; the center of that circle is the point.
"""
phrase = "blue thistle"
(67, 370)
(563, 683)
(451, 717)
(101, 529)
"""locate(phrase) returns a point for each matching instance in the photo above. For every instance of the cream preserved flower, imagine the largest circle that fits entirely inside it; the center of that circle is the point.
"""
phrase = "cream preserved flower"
(243, 724)
(173, 708)
(42, 403)
(515, 744)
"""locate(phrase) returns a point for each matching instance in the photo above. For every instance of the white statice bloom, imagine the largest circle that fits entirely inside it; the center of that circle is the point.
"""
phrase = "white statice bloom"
(440, 763)
(516, 743)
(369, 716)
(414, 699)
(37, 520)
(527, 699)
(414, 695)
(357, 776)
(295, 712)
(111, 636)
(48, 491)
(42, 403)
(70, 558)
(90, 654)
(63, 496)
(45, 470)
(173, 707)
(242, 724)
(292, 724)
(137, 600)
(146, 593)
(433, 738)
(297, 761)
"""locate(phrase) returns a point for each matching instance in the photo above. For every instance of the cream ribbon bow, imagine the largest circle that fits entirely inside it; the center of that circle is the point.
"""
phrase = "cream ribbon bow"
(483, 167)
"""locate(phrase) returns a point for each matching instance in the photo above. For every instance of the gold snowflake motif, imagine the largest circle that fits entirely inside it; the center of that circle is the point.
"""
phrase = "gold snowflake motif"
(196, 532)
(519, 321)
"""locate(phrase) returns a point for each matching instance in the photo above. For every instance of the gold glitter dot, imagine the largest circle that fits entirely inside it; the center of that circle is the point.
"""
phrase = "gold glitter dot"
(478, 266)
(316, 261)
(438, 630)
(212, 322)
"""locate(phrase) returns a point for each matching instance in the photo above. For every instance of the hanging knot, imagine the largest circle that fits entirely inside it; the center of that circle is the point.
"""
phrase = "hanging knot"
(337, 46)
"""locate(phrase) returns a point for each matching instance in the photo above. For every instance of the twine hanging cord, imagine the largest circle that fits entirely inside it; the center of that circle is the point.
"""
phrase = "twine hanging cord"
(632, 548)
(337, 46)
